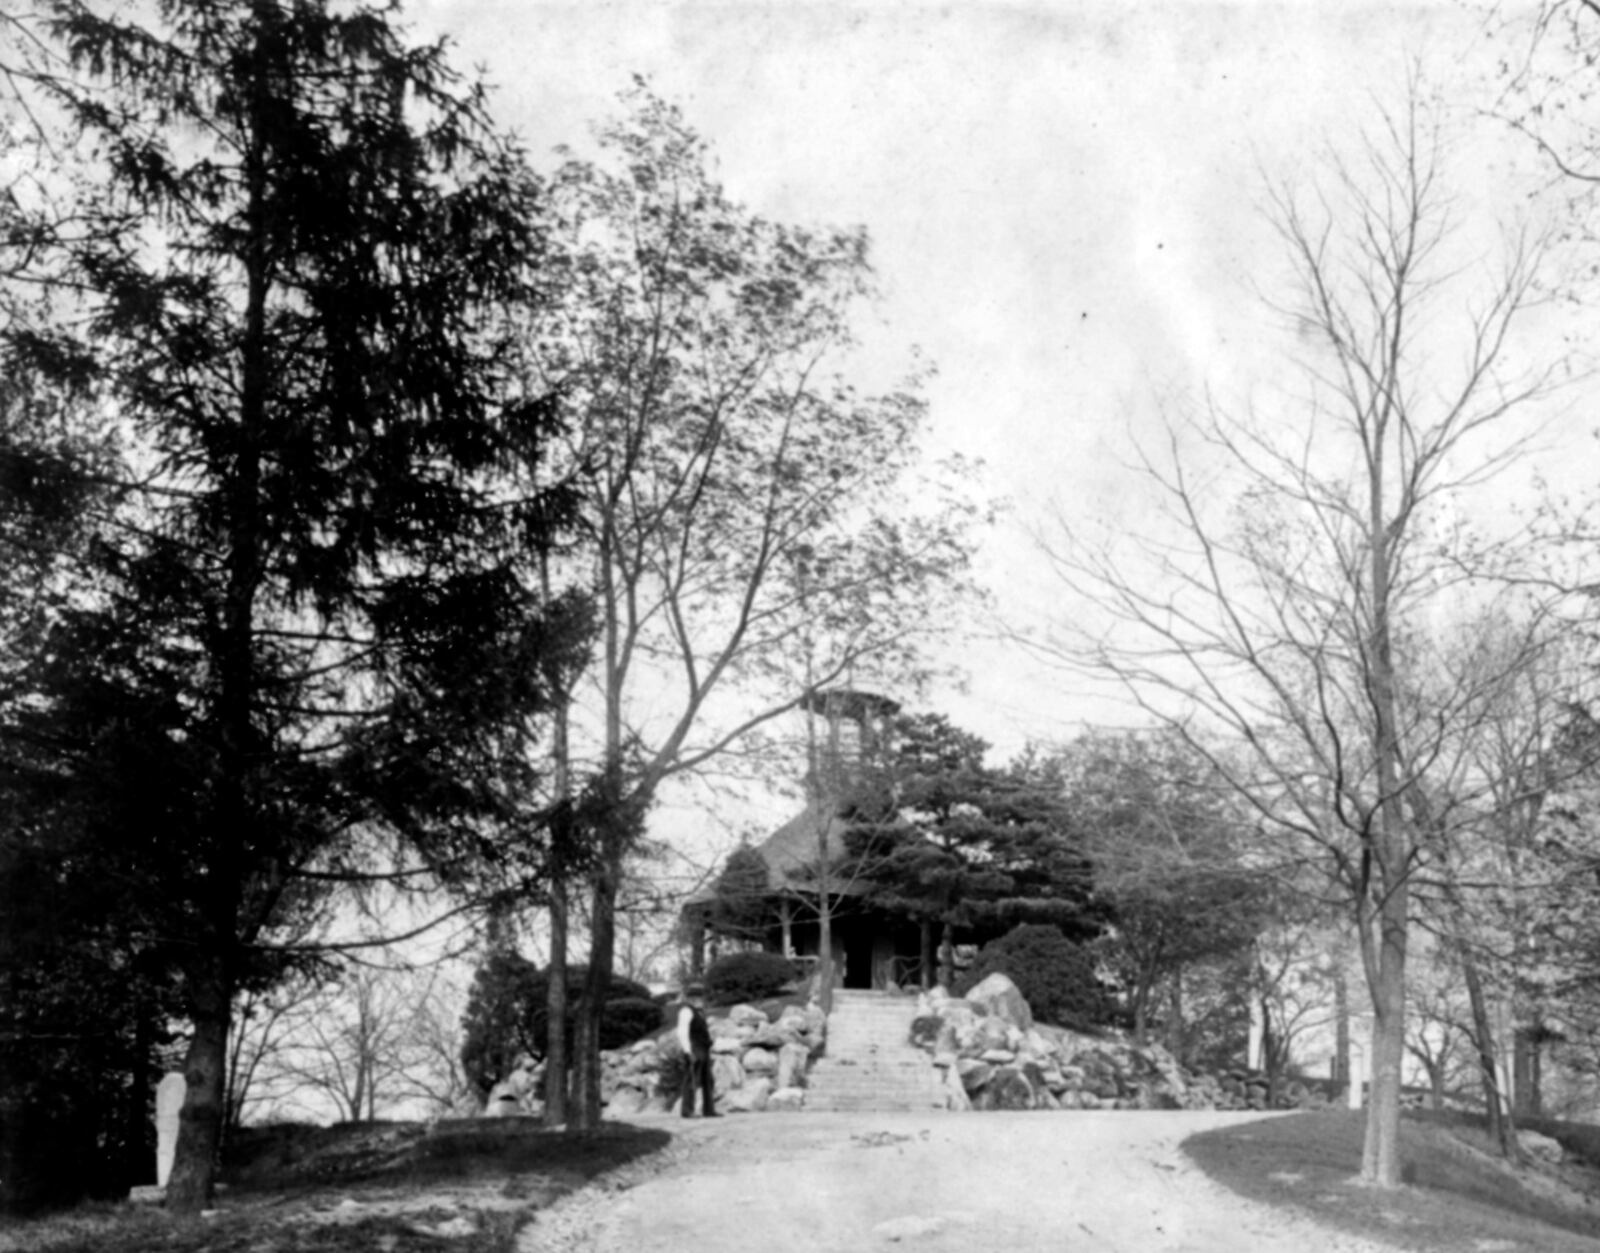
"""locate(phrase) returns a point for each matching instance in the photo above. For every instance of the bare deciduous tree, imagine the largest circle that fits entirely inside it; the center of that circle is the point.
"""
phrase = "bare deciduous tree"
(1290, 628)
(698, 350)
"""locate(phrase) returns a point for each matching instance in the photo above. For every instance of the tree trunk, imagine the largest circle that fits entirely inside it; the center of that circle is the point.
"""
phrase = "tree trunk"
(585, 1112)
(556, 1062)
(1496, 1115)
(614, 831)
(1436, 1084)
(1269, 1053)
(1174, 1031)
(947, 956)
(925, 954)
(210, 991)
(205, 1068)
(824, 802)
(1380, 1159)
(825, 971)
(555, 1056)
(1525, 1076)
(1341, 1038)
(1391, 842)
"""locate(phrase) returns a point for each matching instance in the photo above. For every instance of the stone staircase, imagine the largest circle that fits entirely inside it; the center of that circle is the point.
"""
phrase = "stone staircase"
(869, 1062)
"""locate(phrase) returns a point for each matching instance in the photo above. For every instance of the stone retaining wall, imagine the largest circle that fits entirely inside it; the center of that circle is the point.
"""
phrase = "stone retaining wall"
(986, 1046)
(992, 1055)
(758, 1062)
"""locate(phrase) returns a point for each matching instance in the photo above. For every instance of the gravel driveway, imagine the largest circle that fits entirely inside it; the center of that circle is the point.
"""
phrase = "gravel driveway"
(1106, 1182)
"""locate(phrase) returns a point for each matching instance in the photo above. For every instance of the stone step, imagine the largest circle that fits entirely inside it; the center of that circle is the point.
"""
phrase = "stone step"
(903, 1091)
(869, 1063)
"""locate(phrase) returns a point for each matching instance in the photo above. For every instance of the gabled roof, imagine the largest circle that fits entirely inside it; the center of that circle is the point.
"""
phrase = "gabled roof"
(794, 849)
(792, 852)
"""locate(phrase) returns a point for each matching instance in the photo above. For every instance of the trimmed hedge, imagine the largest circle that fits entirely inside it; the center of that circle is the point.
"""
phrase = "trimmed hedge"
(748, 977)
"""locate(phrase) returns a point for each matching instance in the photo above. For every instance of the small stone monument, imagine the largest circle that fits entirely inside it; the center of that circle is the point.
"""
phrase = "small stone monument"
(169, 1100)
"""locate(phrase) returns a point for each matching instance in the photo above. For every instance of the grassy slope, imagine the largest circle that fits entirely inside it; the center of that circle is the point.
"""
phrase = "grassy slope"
(1452, 1199)
(360, 1187)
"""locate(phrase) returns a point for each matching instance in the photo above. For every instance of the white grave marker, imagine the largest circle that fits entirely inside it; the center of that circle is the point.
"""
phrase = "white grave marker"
(169, 1100)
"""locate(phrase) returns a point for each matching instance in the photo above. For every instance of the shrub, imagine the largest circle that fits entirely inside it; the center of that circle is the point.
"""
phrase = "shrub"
(629, 1018)
(1055, 975)
(739, 907)
(748, 977)
(925, 1030)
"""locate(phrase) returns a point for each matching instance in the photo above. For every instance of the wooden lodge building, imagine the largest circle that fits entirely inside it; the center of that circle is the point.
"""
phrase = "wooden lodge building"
(872, 947)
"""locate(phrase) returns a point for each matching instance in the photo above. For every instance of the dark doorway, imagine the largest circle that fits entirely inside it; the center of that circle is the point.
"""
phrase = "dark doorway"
(857, 960)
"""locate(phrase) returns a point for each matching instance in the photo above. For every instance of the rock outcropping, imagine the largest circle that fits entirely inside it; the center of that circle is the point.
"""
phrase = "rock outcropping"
(758, 1062)
(987, 1049)
(992, 1054)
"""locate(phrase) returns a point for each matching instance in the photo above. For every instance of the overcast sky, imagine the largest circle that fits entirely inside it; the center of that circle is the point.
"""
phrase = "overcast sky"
(1063, 197)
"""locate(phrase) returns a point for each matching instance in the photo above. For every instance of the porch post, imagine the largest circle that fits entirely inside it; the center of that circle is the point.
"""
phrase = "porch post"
(697, 948)
(786, 917)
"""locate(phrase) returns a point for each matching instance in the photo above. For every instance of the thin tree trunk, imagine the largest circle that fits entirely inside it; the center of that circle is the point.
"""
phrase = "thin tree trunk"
(614, 832)
(1174, 1032)
(585, 1112)
(1497, 1116)
(822, 799)
(1341, 1039)
(556, 1061)
(925, 953)
(1380, 1162)
(1525, 1074)
(1435, 1068)
(555, 1056)
(1391, 848)
(825, 966)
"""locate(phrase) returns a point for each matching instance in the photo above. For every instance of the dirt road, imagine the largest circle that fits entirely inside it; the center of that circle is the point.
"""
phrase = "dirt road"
(1099, 1182)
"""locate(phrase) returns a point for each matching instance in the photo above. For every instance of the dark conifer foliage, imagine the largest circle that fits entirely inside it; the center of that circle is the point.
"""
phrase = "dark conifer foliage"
(966, 848)
(302, 619)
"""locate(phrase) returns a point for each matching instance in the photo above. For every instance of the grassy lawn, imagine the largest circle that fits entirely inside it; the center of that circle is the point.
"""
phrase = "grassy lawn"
(388, 1187)
(1452, 1199)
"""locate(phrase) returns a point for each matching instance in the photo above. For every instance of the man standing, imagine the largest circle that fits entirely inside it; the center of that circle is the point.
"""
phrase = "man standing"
(694, 1037)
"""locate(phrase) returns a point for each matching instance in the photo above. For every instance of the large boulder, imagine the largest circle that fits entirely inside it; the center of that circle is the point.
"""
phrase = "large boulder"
(964, 1023)
(1007, 1089)
(726, 1072)
(974, 1074)
(749, 1099)
(955, 1091)
(796, 1025)
(786, 1099)
(772, 1035)
(998, 997)
(625, 1101)
(792, 1065)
